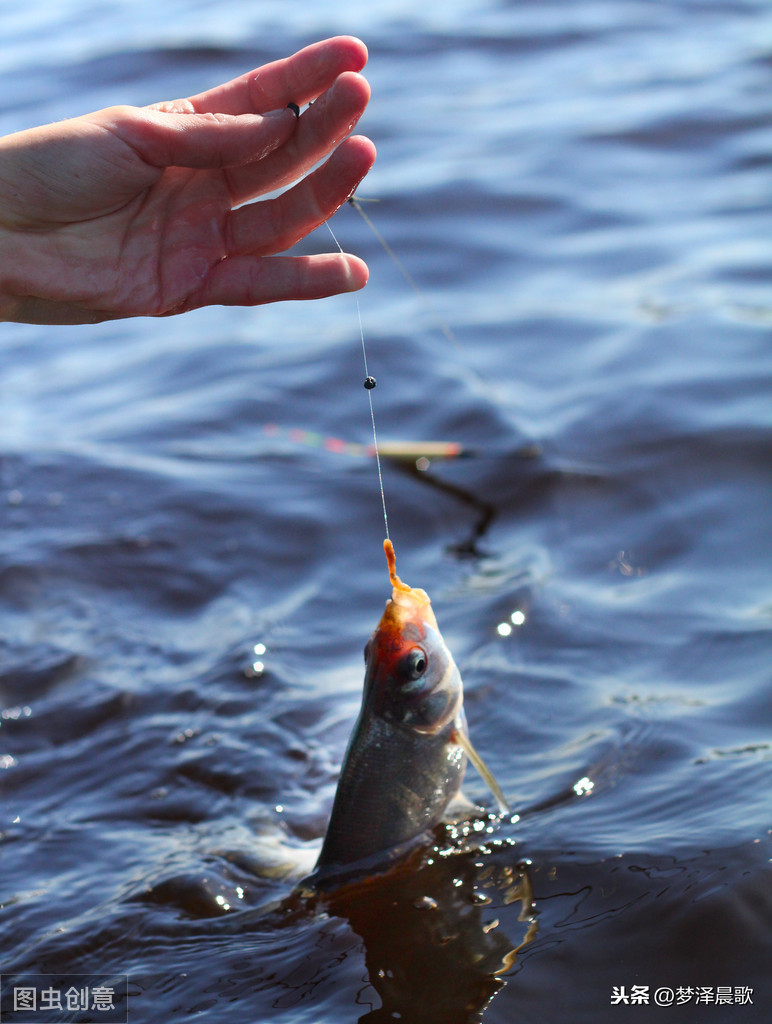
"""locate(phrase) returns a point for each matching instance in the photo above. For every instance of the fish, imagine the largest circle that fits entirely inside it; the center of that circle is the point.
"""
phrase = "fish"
(407, 755)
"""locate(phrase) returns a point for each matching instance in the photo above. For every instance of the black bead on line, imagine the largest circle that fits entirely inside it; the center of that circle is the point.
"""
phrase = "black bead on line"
(370, 383)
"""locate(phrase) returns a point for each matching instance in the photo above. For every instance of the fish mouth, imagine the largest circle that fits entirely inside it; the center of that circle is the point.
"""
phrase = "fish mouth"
(406, 608)
(408, 620)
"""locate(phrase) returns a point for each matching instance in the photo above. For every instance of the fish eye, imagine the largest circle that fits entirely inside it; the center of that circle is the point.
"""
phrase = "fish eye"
(415, 663)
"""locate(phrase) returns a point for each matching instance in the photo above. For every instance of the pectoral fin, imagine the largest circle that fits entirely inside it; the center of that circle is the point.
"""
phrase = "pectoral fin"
(460, 808)
(460, 737)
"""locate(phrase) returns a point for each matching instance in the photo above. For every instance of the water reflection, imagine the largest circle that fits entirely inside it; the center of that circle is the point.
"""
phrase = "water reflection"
(438, 933)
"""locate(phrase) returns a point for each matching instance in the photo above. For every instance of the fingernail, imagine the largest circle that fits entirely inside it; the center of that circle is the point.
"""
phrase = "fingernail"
(294, 108)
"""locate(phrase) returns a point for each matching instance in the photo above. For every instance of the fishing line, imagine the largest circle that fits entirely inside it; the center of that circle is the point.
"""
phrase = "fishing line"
(356, 202)
(369, 381)
(369, 386)
(437, 321)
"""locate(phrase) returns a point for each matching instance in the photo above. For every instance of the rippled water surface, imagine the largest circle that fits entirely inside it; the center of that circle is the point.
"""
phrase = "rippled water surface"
(581, 191)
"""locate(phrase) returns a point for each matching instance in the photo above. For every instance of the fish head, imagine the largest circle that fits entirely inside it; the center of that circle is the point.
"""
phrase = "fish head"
(411, 677)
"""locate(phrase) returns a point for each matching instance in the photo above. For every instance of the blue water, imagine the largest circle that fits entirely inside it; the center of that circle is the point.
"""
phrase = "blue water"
(582, 193)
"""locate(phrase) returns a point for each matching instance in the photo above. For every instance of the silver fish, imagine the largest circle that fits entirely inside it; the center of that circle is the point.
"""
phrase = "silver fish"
(407, 755)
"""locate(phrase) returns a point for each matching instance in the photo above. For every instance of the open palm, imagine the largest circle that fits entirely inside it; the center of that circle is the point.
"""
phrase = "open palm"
(140, 211)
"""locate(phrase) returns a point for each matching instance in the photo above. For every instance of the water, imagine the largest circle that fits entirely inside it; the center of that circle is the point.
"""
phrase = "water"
(582, 191)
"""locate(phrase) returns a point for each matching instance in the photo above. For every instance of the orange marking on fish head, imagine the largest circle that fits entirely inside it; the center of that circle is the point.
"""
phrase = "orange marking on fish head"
(407, 605)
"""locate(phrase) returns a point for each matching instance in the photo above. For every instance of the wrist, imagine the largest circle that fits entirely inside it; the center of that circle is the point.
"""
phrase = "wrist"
(8, 300)
(11, 259)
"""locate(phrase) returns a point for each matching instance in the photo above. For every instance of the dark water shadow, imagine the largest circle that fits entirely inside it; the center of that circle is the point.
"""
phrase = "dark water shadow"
(522, 465)
(434, 947)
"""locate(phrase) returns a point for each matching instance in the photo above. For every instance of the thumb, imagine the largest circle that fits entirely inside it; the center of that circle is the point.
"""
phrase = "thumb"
(205, 141)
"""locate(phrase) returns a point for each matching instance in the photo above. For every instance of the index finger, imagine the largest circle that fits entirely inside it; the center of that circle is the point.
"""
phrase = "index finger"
(297, 79)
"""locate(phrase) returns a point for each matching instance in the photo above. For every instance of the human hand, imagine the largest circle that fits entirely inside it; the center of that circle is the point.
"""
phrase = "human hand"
(135, 211)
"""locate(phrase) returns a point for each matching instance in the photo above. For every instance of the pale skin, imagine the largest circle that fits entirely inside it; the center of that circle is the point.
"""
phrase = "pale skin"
(137, 211)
